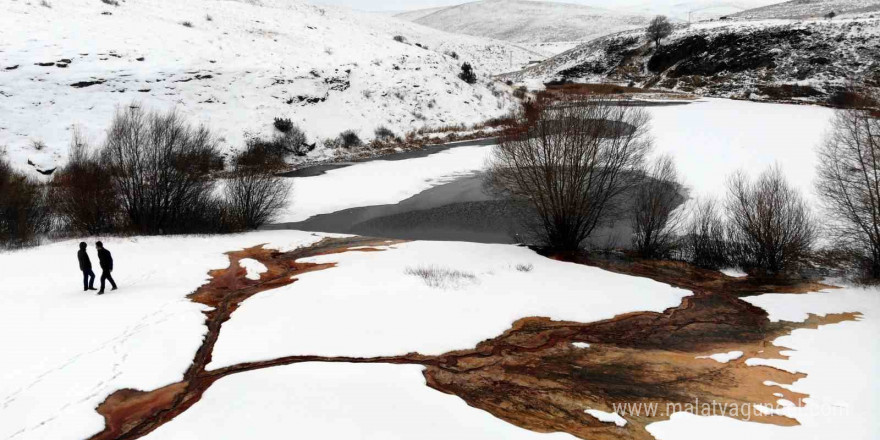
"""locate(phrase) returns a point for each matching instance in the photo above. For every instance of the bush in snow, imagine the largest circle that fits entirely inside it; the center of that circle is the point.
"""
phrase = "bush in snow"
(283, 125)
(655, 217)
(253, 197)
(848, 182)
(452, 55)
(24, 209)
(400, 38)
(83, 195)
(383, 133)
(350, 139)
(110, 2)
(442, 277)
(771, 228)
(187, 24)
(161, 168)
(705, 241)
(208, 17)
(467, 73)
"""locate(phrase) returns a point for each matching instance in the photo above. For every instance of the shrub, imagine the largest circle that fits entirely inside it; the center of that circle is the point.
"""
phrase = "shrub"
(187, 24)
(110, 2)
(283, 125)
(254, 197)
(45, 4)
(208, 17)
(400, 38)
(24, 209)
(467, 73)
(350, 139)
(441, 277)
(770, 226)
(452, 55)
(160, 167)
(705, 241)
(83, 194)
(654, 217)
(384, 133)
(524, 267)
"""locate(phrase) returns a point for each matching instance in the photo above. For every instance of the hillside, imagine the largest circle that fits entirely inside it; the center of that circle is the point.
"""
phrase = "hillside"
(776, 60)
(809, 9)
(234, 65)
(532, 23)
(694, 10)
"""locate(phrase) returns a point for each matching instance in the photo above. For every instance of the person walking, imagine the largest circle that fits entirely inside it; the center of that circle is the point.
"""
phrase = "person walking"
(85, 265)
(106, 262)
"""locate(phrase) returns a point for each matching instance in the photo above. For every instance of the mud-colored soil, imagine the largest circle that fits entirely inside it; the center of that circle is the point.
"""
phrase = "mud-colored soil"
(532, 375)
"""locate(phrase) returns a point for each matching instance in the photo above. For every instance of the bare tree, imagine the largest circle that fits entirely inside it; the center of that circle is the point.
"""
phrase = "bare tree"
(658, 29)
(849, 183)
(24, 211)
(82, 192)
(161, 170)
(572, 163)
(254, 197)
(770, 225)
(705, 241)
(655, 217)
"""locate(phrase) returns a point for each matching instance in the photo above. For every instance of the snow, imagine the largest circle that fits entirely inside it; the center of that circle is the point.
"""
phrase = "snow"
(723, 357)
(734, 272)
(712, 138)
(337, 401)
(841, 364)
(530, 23)
(65, 350)
(328, 69)
(607, 417)
(253, 267)
(396, 313)
(379, 182)
(581, 344)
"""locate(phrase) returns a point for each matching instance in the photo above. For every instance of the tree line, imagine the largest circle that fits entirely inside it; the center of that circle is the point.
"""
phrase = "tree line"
(581, 164)
(154, 174)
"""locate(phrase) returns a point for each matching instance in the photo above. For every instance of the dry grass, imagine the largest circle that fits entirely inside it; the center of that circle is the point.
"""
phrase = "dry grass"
(441, 277)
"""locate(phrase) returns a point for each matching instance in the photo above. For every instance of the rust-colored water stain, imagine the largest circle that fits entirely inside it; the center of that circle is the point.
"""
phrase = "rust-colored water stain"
(533, 375)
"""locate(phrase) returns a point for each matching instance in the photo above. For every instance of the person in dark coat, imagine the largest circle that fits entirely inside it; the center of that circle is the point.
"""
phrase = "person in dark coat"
(85, 265)
(106, 262)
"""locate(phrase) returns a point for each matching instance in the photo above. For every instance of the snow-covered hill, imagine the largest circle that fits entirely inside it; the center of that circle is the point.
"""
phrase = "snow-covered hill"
(693, 10)
(809, 9)
(234, 65)
(539, 25)
(778, 60)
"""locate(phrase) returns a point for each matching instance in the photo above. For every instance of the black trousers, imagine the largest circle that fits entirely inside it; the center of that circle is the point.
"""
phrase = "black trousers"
(88, 279)
(105, 275)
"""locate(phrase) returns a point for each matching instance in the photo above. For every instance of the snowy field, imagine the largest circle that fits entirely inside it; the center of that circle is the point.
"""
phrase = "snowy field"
(397, 313)
(233, 65)
(65, 350)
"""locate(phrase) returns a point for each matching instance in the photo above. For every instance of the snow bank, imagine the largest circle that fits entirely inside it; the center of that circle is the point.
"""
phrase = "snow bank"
(369, 306)
(379, 182)
(65, 350)
(841, 362)
(253, 267)
(723, 357)
(607, 417)
(337, 401)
